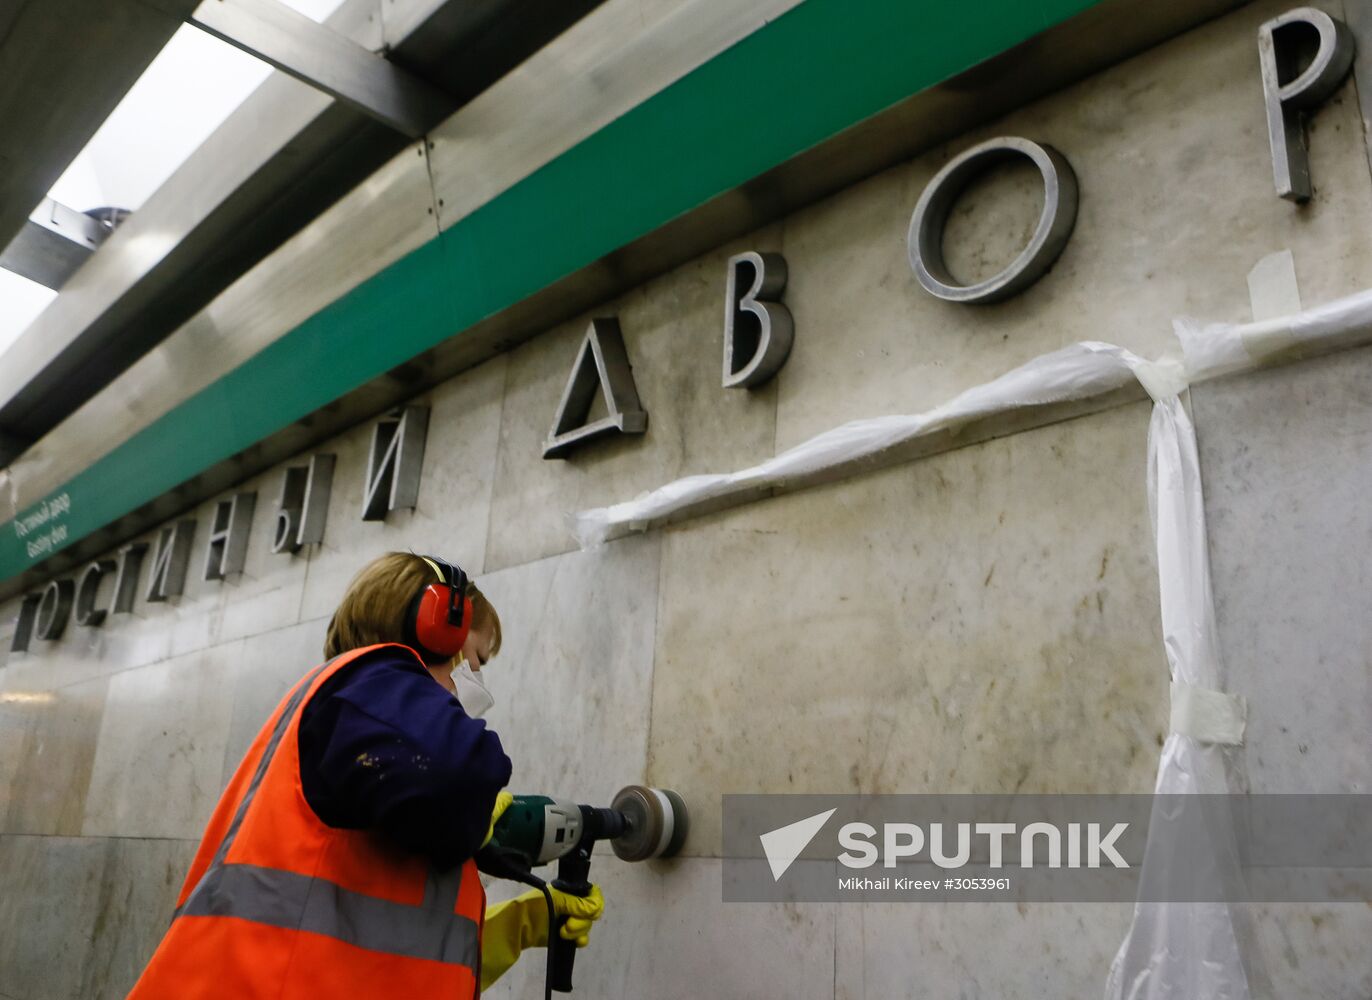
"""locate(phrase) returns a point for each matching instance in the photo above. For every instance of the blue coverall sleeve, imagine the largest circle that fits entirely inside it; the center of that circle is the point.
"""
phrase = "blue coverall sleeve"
(386, 748)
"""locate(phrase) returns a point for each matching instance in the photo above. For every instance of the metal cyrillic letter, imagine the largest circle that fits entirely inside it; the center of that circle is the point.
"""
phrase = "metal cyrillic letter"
(601, 364)
(314, 506)
(126, 579)
(758, 330)
(1282, 44)
(88, 589)
(169, 564)
(394, 464)
(1050, 235)
(23, 628)
(287, 525)
(227, 549)
(54, 609)
(304, 505)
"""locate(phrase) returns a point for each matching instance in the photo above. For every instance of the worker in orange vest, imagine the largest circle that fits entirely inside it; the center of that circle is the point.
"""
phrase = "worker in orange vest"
(339, 860)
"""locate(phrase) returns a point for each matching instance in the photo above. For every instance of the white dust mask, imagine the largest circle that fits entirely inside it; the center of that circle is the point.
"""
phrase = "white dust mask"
(476, 699)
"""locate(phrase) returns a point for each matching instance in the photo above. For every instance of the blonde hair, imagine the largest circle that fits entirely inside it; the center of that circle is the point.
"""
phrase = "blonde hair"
(375, 604)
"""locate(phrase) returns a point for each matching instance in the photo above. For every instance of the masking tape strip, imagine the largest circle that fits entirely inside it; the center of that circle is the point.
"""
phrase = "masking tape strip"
(1272, 288)
(1207, 715)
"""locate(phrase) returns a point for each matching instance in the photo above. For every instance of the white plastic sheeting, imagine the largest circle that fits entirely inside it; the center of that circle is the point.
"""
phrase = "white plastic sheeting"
(1185, 950)
(1077, 372)
(1173, 951)
(1204, 951)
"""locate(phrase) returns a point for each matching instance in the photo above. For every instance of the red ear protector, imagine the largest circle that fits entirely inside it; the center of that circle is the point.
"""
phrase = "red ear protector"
(440, 616)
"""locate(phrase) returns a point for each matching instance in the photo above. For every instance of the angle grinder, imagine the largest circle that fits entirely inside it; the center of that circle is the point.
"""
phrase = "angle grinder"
(641, 823)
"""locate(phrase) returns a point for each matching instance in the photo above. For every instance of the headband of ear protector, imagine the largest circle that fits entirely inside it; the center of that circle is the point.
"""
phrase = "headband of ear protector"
(440, 616)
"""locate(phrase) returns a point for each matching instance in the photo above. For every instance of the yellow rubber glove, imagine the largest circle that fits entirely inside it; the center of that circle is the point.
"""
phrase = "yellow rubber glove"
(503, 801)
(522, 923)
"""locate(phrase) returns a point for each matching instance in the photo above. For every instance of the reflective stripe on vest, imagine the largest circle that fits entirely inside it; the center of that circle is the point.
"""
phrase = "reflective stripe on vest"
(298, 902)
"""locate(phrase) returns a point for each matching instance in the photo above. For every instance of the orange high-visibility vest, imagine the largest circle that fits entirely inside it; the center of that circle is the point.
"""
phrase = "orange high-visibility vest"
(279, 905)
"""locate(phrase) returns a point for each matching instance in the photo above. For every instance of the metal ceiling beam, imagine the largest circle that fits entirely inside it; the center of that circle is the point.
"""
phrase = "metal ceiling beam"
(499, 36)
(55, 241)
(326, 60)
(65, 65)
(10, 441)
(282, 158)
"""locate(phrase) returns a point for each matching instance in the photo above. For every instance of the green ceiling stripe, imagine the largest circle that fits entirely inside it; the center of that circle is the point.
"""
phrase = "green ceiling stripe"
(797, 81)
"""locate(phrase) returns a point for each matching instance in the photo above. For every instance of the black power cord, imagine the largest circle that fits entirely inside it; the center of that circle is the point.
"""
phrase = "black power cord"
(503, 865)
(552, 929)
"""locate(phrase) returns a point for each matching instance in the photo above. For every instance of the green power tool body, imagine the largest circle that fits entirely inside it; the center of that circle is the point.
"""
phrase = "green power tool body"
(641, 823)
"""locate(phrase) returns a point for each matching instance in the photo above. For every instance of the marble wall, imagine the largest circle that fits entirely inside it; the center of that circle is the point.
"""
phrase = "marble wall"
(1287, 462)
(985, 619)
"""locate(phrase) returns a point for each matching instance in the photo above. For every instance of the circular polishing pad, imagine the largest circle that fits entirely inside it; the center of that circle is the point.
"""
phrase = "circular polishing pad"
(655, 823)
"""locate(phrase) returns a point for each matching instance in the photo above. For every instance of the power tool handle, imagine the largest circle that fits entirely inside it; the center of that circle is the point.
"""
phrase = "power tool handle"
(573, 878)
(563, 958)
